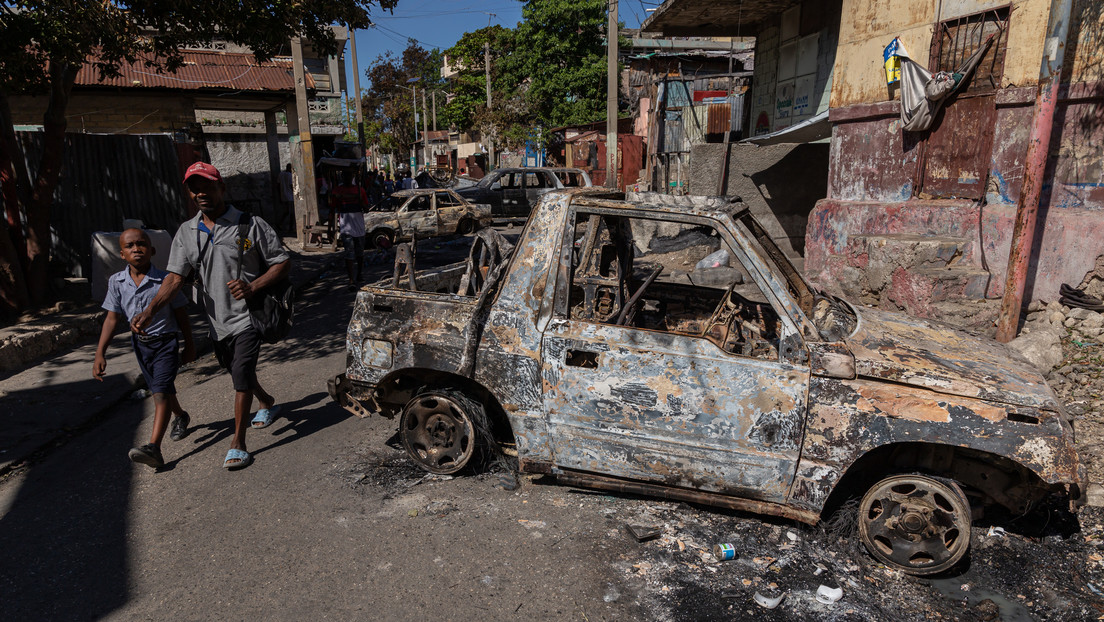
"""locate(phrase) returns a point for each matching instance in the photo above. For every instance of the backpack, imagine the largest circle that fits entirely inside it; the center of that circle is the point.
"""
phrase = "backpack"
(271, 308)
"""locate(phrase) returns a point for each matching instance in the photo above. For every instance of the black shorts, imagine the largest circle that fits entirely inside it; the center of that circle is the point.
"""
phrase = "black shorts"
(159, 360)
(239, 354)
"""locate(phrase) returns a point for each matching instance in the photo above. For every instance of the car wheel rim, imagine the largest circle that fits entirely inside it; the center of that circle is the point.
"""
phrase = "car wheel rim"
(915, 523)
(437, 434)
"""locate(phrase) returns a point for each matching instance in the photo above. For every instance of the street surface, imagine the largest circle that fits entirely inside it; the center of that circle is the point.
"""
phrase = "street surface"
(333, 521)
(330, 522)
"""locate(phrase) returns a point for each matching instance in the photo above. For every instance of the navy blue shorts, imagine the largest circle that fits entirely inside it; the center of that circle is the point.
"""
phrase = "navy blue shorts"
(159, 358)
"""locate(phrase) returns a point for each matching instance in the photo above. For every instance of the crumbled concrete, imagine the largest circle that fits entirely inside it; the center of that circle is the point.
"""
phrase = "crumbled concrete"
(1042, 346)
(26, 342)
(1093, 283)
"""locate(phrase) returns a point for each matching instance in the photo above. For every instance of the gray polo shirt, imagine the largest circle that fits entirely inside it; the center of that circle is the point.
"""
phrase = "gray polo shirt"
(262, 248)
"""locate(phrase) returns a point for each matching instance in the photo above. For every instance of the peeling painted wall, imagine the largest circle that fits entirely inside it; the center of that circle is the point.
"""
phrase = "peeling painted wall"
(874, 165)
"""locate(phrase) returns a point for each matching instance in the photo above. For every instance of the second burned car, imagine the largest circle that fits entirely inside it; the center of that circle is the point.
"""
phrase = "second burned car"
(424, 213)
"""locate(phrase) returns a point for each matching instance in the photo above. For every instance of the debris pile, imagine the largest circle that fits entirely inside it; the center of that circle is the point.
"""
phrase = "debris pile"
(783, 571)
(1067, 344)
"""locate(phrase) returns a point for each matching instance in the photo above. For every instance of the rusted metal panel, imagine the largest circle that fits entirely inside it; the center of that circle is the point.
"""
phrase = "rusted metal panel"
(673, 408)
(202, 70)
(958, 151)
(849, 418)
(912, 351)
(720, 119)
(871, 160)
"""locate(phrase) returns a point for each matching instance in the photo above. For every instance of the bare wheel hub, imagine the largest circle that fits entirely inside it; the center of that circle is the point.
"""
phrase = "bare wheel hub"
(436, 431)
(916, 523)
(441, 430)
(915, 520)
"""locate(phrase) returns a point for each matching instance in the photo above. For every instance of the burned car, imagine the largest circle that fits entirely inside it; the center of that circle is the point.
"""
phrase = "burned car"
(664, 346)
(424, 213)
(514, 191)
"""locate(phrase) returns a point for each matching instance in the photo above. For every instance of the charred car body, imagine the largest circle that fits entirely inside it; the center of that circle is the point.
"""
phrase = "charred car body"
(424, 213)
(605, 352)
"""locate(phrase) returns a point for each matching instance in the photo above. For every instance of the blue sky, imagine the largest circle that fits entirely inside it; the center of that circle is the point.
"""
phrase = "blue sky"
(440, 24)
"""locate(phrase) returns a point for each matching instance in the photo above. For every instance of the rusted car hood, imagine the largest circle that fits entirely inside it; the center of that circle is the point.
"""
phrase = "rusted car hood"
(926, 354)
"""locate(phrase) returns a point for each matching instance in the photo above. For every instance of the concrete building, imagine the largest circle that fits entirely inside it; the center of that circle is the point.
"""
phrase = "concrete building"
(221, 106)
(922, 221)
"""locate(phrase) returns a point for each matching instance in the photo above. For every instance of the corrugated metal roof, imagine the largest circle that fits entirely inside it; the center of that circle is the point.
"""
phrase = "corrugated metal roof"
(203, 70)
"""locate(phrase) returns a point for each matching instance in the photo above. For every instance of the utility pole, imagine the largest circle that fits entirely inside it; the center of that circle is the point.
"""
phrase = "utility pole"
(1035, 161)
(611, 96)
(487, 70)
(306, 196)
(425, 132)
(356, 86)
(413, 157)
(434, 110)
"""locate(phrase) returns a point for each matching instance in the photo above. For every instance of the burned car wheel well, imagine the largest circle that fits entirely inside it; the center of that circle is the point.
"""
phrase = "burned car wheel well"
(395, 390)
(986, 478)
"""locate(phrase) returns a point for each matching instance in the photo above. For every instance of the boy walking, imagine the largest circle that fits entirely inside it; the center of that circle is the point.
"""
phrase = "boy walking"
(128, 293)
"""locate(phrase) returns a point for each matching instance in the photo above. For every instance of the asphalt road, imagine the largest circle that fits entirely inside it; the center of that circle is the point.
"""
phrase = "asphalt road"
(330, 522)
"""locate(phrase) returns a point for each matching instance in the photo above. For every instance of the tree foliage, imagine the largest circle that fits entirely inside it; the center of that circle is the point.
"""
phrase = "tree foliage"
(548, 71)
(44, 44)
(561, 51)
(388, 102)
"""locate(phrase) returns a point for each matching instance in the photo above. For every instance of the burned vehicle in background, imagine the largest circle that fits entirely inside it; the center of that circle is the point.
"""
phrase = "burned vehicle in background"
(514, 191)
(423, 213)
(664, 346)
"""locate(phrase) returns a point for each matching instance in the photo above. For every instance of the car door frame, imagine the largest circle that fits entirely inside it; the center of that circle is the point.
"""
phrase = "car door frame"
(636, 429)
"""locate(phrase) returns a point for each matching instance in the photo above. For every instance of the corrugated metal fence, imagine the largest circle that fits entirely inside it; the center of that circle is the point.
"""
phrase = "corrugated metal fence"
(104, 179)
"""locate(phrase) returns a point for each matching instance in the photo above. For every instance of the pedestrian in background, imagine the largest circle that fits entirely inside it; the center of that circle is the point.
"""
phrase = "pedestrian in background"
(129, 292)
(348, 200)
(229, 270)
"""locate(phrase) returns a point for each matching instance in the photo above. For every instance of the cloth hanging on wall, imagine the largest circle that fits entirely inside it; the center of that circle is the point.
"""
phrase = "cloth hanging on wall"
(923, 93)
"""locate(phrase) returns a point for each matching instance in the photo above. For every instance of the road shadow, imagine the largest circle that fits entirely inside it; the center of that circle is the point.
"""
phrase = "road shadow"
(64, 535)
(296, 421)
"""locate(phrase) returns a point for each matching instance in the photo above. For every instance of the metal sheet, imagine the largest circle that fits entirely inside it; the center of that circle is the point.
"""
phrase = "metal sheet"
(957, 157)
(202, 70)
(134, 176)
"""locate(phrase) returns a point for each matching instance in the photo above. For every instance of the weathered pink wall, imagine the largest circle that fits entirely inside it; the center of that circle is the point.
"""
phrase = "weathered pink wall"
(871, 178)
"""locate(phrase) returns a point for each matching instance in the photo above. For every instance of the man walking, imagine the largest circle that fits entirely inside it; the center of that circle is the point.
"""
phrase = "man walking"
(229, 270)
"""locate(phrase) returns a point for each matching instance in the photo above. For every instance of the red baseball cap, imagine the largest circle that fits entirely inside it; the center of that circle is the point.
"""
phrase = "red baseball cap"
(203, 170)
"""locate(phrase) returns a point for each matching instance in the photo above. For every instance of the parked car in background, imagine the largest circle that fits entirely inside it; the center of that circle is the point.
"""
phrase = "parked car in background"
(514, 191)
(424, 213)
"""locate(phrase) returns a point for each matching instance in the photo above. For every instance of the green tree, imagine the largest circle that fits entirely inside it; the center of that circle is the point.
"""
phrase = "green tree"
(468, 86)
(388, 102)
(560, 60)
(44, 44)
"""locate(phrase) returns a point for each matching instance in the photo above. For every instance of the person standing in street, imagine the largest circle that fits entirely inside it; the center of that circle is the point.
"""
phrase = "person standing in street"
(210, 246)
(349, 200)
(128, 293)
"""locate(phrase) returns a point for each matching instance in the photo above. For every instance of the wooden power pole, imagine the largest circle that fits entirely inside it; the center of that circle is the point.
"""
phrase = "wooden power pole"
(611, 97)
(356, 86)
(306, 196)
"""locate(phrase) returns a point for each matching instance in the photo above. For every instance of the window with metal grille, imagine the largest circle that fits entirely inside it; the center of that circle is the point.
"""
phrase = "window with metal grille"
(956, 39)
